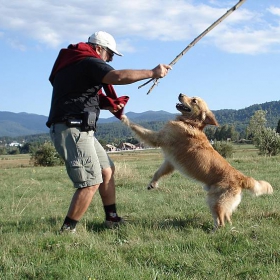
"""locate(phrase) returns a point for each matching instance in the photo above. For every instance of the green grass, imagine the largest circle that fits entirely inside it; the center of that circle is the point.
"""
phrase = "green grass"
(168, 234)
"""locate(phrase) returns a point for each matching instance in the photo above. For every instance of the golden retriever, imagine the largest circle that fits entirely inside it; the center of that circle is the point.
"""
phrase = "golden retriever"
(187, 149)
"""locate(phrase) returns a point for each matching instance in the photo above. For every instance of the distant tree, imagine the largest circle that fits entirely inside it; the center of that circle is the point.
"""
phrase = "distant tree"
(223, 148)
(266, 139)
(278, 127)
(210, 132)
(232, 133)
(46, 155)
(257, 124)
(3, 151)
(132, 140)
(268, 142)
(13, 151)
(225, 132)
(35, 146)
(25, 149)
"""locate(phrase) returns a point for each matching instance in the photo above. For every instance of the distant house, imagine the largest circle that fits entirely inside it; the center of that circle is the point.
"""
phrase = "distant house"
(110, 148)
(15, 144)
(127, 146)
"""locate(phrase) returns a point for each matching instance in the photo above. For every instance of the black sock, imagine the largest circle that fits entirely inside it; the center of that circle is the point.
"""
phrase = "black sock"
(70, 222)
(110, 211)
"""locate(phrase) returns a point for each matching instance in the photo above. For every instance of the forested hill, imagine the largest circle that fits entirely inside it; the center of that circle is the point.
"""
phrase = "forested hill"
(23, 124)
(238, 118)
(227, 116)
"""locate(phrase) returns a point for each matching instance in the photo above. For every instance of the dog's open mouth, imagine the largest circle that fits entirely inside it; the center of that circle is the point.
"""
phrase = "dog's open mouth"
(180, 107)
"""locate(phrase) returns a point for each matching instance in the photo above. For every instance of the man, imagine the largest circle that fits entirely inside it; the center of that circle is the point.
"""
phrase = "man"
(77, 77)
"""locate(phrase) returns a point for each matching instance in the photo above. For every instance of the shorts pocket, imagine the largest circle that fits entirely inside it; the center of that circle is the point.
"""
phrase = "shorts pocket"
(78, 169)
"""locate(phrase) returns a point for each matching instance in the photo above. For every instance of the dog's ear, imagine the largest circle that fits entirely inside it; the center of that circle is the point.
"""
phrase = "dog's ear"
(209, 118)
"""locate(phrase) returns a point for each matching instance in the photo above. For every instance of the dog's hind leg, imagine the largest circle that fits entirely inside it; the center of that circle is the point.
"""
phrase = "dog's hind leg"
(165, 169)
(222, 203)
(219, 214)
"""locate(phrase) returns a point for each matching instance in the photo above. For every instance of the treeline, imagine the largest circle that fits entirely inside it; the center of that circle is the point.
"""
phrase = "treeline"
(233, 125)
(240, 118)
(266, 139)
(115, 133)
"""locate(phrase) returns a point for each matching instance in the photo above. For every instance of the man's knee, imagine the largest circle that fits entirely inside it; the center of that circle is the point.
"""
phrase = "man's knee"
(89, 189)
(107, 173)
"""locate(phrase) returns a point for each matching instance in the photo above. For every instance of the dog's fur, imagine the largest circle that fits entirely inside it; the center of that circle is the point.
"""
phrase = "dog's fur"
(187, 149)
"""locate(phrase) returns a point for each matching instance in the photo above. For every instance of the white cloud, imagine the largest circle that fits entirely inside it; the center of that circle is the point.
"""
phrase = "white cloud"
(54, 23)
(16, 44)
(274, 10)
(245, 42)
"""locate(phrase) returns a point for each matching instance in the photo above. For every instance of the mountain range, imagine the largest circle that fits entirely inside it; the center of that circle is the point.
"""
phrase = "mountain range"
(23, 124)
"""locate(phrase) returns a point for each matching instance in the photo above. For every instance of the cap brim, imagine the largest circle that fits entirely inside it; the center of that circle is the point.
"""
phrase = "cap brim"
(116, 52)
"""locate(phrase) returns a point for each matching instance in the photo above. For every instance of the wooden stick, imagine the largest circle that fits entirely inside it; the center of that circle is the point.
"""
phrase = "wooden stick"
(179, 56)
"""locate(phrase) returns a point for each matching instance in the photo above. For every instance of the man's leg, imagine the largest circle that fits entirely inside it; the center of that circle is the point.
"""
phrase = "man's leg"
(80, 202)
(77, 149)
(78, 206)
(107, 189)
(107, 192)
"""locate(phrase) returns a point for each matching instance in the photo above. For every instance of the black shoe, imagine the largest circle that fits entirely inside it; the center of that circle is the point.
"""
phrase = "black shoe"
(65, 229)
(114, 222)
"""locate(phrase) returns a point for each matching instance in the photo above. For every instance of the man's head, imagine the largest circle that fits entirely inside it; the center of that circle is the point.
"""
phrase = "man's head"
(105, 40)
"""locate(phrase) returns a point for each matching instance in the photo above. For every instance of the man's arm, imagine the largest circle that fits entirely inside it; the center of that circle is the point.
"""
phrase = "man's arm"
(123, 77)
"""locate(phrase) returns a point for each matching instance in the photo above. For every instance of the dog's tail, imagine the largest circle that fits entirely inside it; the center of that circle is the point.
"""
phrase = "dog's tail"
(257, 187)
(146, 135)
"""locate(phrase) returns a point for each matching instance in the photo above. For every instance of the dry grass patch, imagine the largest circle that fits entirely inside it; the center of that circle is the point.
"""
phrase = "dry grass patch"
(8, 161)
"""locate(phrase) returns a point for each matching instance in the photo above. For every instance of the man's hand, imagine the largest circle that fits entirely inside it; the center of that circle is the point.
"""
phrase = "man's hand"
(112, 110)
(161, 71)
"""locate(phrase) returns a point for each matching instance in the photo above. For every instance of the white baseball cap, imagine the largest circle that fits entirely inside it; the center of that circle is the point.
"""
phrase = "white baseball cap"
(104, 39)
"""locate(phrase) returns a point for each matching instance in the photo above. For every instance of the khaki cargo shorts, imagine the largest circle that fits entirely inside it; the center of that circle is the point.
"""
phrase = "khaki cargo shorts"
(83, 155)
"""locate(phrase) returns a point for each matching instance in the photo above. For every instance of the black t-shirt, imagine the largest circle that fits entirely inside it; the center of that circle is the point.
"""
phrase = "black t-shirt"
(75, 89)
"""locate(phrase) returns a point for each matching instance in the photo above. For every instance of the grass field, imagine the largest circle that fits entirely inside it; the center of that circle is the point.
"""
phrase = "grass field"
(167, 236)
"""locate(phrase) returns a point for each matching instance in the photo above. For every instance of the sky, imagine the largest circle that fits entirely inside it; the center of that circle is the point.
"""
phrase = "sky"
(234, 66)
